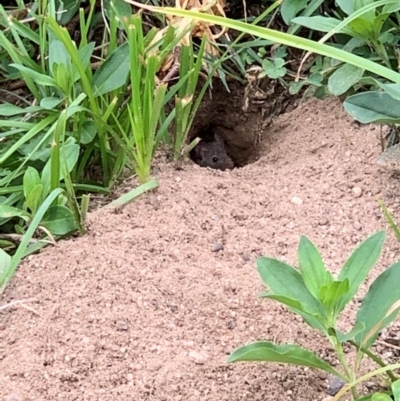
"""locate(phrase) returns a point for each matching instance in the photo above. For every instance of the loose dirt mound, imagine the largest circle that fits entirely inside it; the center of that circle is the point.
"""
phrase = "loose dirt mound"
(148, 305)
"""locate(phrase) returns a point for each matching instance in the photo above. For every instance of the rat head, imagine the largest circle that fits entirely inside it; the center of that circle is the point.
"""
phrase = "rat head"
(212, 154)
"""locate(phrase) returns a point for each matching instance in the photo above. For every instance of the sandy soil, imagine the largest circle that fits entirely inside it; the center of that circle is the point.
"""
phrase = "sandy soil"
(149, 304)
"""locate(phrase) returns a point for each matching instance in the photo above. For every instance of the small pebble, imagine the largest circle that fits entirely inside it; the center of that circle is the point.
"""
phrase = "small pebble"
(357, 191)
(216, 247)
(121, 325)
(335, 384)
(296, 200)
(197, 358)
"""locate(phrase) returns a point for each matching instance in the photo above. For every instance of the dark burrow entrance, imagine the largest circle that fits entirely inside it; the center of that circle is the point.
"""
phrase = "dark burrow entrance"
(230, 130)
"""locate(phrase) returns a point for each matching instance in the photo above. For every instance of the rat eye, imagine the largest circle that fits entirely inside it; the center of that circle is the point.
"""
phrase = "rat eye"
(215, 159)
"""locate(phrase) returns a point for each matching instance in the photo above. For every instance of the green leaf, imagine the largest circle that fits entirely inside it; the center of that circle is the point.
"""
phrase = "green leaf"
(272, 70)
(346, 5)
(331, 296)
(7, 212)
(120, 8)
(392, 90)
(59, 220)
(88, 132)
(50, 103)
(113, 73)
(379, 308)
(396, 390)
(39, 78)
(295, 306)
(312, 267)
(290, 8)
(321, 24)
(390, 8)
(390, 220)
(12, 110)
(282, 279)
(31, 180)
(358, 328)
(360, 263)
(381, 397)
(34, 198)
(373, 107)
(265, 351)
(58, 54)
(23, 246)
(5, 260)
(344, 78)
(66, 9)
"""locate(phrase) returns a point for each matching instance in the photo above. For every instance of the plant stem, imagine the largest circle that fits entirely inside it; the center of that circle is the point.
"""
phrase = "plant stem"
(374, 357)
(343, 361)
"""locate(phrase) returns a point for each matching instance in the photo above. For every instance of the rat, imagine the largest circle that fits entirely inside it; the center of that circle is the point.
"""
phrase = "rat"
(212, 154)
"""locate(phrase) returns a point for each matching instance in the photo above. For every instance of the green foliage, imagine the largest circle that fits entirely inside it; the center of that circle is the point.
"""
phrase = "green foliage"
(313, 293)
(394, 226)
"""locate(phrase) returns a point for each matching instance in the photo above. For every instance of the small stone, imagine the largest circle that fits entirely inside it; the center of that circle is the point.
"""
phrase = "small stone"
(129, 377)
(197, 358)
(231, 324)
(121, 325)
(296, 200)
(335, 385)
(357, 191)
(323, 222)
(216, 247)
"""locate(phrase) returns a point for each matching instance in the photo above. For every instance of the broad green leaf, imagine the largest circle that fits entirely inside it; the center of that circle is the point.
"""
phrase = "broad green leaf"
(321, 24)
(113, 73)
(85, 54)
(360, 263)
(7, 212)
(290, 8)
(62, 77)
(265, 351)
(40, 79)
(66, 9)
(274, 69)
(9, 110)
(390, 8)
(381, 397)
(295, 306)
(5, 260)
(344, 78)
(373, 107)
(375, 311)
(362, 29)
(343, 337)
(119, 7)
(396, 390)
(312, 267)
(331, 296)
(283, 279)
(59, 55)
(346, 5)
(59, 220)
(23, 246)
(50, 103)
(34, 198)
(392, 90)
(88, 132)
(31, 180)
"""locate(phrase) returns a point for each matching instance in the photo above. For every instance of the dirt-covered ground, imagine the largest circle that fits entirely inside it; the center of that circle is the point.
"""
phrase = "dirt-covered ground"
(149, 304)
